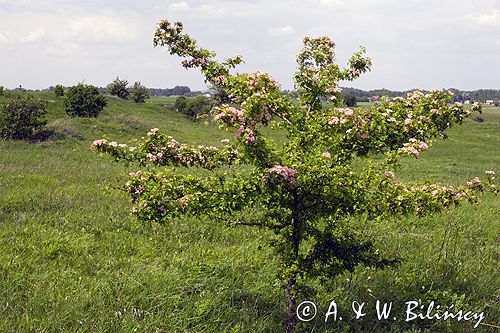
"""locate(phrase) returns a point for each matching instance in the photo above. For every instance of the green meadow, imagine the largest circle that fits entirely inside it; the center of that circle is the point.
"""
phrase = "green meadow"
(73, 259)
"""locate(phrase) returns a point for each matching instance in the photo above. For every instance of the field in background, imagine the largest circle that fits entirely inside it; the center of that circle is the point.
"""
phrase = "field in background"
(72, 259)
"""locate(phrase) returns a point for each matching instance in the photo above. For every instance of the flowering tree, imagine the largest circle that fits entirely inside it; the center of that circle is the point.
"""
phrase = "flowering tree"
(304, 189)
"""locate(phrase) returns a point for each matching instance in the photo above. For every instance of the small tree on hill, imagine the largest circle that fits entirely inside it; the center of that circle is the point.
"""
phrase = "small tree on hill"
(21, 117)
(307, 188)
(119, 88)
(59, 91)
(139, 93)
(84, 101)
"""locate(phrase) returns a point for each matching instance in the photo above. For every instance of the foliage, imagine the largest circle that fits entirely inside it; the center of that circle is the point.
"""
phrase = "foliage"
(139, 93)
(181, 104)
(308, 189)
(21, 117)
(63, 235)
(84, 101)
(219, 95)
(194, 107)
(119, 88)
(1, 90)
(349, 100)
(58, 90)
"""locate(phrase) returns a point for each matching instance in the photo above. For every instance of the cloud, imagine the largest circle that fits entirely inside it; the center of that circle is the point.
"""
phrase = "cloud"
(64, 49)
(182, 6)
(492, 19)
(332, 4)
(283, 31)
(33, 36)
(6, 40)
(99, 29)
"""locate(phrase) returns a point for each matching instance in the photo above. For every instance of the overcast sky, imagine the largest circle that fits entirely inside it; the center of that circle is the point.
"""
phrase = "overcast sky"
(413, 43)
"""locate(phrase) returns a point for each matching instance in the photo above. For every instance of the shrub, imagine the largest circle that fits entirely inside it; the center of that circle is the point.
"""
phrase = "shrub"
(118, 88)
(139, 93)
(181, 104)
(1, 90)
(59, 91)
(84, 101)
(194, 107)
(350, 100)
(307, 189)
(20, 118)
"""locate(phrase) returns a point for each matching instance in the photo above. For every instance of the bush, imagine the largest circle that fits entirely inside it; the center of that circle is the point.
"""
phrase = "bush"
(84, 101)
(119, 88)
(350, 100)
(59, 91)
(181, 104)
(139, 93)
(194, 107)
(1, 90)
(20, 118)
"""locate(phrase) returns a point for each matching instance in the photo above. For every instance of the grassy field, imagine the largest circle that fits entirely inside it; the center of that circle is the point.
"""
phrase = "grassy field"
(72, 259)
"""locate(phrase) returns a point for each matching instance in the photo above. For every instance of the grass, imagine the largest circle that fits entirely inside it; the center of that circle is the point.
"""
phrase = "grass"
(72, 259)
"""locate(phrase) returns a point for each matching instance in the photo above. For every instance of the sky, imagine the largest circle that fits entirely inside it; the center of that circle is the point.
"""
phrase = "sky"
(412, 43)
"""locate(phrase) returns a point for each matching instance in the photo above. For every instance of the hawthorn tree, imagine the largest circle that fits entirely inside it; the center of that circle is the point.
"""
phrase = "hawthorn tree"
(307, 188)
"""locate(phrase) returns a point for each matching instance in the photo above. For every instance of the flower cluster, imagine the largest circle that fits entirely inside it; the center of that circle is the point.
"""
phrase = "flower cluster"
(341, 116)
(283, 172)
(413, 147)
(165, 150)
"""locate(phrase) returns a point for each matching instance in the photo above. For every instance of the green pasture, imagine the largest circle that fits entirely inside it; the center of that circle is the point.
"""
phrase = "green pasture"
(73, 259)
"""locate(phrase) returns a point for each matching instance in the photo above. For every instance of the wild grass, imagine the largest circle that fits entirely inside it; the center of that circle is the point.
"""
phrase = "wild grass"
(72, 259)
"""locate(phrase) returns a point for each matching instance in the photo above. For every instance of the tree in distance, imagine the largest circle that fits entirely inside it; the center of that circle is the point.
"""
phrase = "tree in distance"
(139, 93)
(119, 88)
(59, 91)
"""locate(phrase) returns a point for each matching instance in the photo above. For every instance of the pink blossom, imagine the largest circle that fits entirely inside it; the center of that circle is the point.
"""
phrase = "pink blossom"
(153, 131)
(390, 174)
(99, 143)
(334, 121)
(288, 174)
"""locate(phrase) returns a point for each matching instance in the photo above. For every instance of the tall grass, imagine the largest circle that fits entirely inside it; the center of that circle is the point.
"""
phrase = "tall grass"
(72, 259)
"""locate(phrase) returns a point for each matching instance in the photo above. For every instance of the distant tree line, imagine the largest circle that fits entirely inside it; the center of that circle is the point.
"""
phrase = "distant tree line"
(480, 95)
(175, 91)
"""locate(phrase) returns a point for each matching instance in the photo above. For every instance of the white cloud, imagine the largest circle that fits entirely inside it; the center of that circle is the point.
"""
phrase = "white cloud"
(283, 31)
(332, 4)
(64, 49)
(487, 19)
(99, 29)
(179, 6)
(6, 40)
(34, 36)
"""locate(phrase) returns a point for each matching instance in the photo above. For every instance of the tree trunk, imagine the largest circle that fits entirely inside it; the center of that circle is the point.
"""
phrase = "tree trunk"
(292, 315)
(291, 321)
